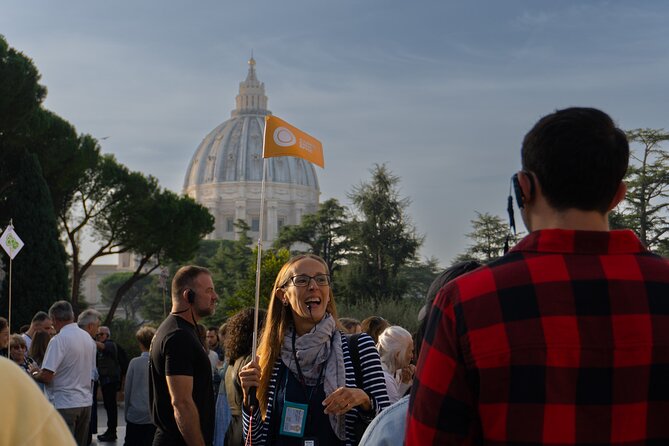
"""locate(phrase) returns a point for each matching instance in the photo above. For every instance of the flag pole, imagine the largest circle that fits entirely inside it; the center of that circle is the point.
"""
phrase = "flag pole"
(9, 315)
(9, 318)
(252, 398)
(259, 260)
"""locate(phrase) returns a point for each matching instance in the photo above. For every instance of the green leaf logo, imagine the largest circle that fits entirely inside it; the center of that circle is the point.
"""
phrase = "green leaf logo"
(12, 243)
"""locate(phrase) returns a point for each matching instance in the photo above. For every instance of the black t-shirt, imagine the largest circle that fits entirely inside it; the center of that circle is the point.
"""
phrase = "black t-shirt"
(176, 350)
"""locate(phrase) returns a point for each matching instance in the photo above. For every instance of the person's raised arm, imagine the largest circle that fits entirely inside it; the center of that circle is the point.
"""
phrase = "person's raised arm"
(185, 410)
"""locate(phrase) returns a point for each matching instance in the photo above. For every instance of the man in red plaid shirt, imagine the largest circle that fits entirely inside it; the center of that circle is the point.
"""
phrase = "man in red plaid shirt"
(564, 340)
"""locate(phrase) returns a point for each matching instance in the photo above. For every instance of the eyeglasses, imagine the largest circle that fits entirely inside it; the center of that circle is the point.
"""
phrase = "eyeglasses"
(302, 280)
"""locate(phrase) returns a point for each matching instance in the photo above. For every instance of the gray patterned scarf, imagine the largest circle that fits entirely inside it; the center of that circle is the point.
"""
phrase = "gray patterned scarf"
(322, 345)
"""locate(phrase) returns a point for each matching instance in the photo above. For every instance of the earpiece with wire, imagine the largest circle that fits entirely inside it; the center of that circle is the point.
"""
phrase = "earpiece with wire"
(513, 187)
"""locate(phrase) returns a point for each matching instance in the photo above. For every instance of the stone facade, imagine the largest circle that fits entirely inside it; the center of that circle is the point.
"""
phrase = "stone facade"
(226, 171)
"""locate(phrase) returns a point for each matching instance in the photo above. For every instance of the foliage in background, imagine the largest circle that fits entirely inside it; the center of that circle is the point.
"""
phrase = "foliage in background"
(325, 233)
(230, 264)
(244, 294)
(123, 333)
(39, 275)
(163, 227)
(133, 300)
(383, 239)
(418, 277)
(490, 235)
(398, 312)
(646, 205)
(156, 302)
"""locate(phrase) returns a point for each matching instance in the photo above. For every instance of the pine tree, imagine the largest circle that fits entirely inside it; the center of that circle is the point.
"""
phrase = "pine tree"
(489, 236)
(646, 206)
(383, 237)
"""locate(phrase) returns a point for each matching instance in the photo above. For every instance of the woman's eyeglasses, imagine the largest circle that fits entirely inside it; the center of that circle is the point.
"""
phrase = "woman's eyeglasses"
(302, 280)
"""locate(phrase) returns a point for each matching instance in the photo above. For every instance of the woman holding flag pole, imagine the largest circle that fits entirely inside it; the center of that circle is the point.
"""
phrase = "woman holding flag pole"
(304, 374)
(302, 387)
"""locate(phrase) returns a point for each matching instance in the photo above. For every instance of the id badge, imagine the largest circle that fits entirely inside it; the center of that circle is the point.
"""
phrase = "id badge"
(293, 419)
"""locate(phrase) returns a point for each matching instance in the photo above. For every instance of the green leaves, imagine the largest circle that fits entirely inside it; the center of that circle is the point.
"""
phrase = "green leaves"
(489, 237)
(646, 205)
(383, 238)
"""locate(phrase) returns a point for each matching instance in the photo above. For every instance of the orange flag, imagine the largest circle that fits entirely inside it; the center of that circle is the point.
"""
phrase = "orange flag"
(282, 139)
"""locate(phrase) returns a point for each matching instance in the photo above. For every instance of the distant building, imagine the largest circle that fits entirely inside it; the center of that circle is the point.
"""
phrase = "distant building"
(225, 172)
(225, 175)
(127, 262)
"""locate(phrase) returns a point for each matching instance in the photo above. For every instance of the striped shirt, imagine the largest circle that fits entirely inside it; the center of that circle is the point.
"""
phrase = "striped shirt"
(373, 384)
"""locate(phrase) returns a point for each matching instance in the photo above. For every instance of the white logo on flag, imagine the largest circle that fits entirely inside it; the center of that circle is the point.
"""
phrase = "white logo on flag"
(11, 242)
(284, 137)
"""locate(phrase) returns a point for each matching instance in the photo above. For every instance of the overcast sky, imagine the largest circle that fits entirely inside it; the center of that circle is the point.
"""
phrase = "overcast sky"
(441, 91)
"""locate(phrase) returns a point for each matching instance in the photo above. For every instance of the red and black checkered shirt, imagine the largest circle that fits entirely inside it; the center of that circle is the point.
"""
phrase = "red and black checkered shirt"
(565, 340)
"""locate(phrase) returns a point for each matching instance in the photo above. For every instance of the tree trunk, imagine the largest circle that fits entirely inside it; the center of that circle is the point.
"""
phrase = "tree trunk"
(136, 276)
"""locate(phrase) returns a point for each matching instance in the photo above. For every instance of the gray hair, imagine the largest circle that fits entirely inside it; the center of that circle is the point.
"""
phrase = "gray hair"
(105, 329)
(88, 316)
(61, 311)
(393, 342)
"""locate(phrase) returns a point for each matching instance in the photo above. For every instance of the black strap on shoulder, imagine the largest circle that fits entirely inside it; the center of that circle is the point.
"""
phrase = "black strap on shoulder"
(355, 358)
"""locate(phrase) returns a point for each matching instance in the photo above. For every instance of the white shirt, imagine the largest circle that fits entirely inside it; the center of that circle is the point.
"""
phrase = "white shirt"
(71, 356)
(213, 359)
(28, 340)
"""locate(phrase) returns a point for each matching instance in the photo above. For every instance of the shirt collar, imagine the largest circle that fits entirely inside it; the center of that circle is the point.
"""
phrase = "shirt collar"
(581, 242)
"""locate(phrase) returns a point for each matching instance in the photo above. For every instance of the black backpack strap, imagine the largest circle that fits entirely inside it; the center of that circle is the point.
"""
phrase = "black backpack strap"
(355, 358)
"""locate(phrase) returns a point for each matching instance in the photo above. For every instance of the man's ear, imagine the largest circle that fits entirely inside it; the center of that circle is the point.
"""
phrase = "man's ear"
(619, 196)
(527, 186)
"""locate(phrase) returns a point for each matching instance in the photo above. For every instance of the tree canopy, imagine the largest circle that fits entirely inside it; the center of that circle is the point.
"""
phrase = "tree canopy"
(383, 238)
(326, 233)
(646, 205)
(39, 275)
(489, 236)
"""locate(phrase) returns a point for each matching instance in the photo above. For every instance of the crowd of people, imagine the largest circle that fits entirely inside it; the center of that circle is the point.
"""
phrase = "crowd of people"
(563, 340)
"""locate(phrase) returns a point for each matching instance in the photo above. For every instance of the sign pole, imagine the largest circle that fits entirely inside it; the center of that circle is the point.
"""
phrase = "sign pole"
(12, 244)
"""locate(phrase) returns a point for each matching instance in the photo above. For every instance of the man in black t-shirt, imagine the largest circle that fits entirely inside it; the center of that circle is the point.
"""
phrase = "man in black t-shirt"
(180, 380)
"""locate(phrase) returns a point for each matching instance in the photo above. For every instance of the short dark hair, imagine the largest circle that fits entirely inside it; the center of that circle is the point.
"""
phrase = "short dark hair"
(579, 157)
(40, 316)
(184, 278)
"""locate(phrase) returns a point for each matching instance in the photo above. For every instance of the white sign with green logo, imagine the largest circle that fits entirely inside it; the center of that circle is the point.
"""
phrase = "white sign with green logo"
(11, 242)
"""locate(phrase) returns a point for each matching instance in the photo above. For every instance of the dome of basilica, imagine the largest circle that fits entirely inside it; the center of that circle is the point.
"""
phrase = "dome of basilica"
(225, 172)
(232, 152)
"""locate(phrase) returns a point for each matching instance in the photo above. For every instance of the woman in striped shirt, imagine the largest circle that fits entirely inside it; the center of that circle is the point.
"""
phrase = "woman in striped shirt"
(304, 375)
